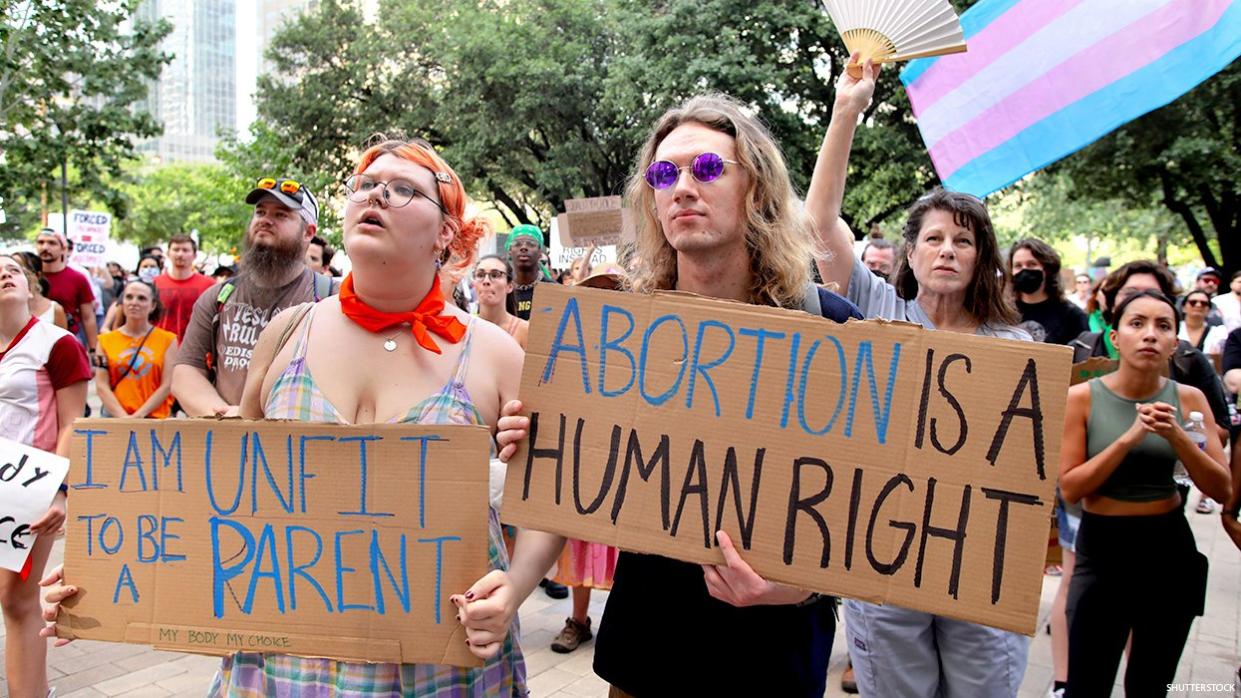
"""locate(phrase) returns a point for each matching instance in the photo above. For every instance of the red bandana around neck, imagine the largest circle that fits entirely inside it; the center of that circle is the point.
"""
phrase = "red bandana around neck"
(423, 320)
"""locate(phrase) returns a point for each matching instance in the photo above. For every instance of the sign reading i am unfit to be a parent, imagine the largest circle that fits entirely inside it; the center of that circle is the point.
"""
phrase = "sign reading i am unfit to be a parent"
(220, 536)
(874, 460)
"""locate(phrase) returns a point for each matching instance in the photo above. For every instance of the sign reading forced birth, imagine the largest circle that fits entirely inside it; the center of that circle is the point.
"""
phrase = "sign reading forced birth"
(219, 536)
(874, 460)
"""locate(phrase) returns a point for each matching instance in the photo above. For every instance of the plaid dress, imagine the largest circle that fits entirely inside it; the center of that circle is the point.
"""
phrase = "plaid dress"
(296, 396)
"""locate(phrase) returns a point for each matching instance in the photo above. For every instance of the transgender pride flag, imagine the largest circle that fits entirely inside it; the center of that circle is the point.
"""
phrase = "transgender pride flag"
(1044, 78)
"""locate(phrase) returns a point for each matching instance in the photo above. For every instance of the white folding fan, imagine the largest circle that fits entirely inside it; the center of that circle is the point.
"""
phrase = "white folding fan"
(896, 30)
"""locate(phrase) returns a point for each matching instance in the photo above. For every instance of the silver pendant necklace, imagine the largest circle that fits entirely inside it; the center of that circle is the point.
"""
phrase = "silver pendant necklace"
(390, 342)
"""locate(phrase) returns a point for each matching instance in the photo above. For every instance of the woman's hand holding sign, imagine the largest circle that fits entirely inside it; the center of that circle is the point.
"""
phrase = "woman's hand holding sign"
(486, 611)
(511, 429)
(50, 523)
(57, 591)
(736, 583)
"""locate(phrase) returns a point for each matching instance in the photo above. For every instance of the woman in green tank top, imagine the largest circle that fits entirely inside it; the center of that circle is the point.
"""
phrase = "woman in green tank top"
(1123, 437)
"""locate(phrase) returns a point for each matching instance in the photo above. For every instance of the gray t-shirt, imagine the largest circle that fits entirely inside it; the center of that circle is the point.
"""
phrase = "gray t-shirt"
(877, 298)
(246, 312)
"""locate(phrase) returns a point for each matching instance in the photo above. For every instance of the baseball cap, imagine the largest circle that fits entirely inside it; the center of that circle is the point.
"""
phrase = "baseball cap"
(294, 195)
(60, 237)
(1210, 271)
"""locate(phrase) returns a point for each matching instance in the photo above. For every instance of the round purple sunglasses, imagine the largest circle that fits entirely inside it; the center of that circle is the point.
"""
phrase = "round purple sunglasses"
(707, 167)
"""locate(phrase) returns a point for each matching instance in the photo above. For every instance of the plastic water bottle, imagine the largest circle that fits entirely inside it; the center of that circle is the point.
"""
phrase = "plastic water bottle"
(1197, 432)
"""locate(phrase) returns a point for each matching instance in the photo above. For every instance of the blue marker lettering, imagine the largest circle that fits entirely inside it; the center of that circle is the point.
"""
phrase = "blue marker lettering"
(158, 451)
(301, 462)
(112, 522)
(147, 525)
(341, 569)
(801, 388)
(266, 550)
(607, 346)
(794, 346)
(570, 312)
(760, 336)
(90, 531)
(220, 575)
(362, 475)
(296, 570)
(241, 475)
(90, 435)
(422, 475)
(377, 560)
(257, 455)
(165, 536)
(439, 568)
(133, 461)
(125, 579)
(865, 352)
(699, 367)
(657, 400)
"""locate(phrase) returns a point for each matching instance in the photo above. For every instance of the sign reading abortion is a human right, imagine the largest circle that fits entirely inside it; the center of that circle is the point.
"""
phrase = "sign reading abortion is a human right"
(874, 460)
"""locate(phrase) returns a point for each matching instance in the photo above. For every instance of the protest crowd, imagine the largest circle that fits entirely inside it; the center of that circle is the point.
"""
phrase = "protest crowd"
(423, 330)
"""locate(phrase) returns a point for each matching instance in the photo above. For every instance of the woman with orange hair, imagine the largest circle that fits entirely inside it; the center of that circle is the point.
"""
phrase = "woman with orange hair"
(406, 231)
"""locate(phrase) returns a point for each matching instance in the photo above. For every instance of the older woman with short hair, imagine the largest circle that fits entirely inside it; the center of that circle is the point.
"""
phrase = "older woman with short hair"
(950, 277)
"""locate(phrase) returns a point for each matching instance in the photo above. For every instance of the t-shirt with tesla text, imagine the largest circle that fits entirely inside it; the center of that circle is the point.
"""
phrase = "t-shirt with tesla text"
(178, 298)
(246, 311)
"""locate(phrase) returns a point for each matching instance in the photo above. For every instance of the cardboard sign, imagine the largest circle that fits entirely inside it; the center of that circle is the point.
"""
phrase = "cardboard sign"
(29, 479)
(875, 460)
(90, 232)
(1093, 367)
(596, 221)
(314, 540)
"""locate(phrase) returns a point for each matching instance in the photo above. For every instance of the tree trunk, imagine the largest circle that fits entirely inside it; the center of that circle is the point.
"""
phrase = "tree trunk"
(1183, 209)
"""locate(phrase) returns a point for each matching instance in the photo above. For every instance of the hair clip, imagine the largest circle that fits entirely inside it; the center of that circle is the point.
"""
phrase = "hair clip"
(443, 177)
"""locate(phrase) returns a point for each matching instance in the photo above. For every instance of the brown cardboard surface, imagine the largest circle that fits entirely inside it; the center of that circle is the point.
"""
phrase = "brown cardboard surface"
(217, 536)
(1093, 367)
(594, 221)
(874, 460)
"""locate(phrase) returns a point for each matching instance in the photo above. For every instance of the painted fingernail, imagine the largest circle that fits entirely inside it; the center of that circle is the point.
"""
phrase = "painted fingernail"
(469, 595)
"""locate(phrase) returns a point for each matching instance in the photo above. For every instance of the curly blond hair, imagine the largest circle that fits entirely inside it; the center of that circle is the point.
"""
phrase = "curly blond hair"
(778, 233)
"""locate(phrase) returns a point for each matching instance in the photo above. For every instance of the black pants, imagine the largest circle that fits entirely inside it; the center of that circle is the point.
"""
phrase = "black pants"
(1139, 574)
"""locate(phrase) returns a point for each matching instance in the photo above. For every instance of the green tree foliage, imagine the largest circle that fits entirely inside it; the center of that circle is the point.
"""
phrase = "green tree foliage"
(184, 197)
(70, 73)
(1185, 157)
(536, 101)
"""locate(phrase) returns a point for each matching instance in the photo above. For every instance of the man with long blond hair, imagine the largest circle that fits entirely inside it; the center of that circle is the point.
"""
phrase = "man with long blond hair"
(716, 216)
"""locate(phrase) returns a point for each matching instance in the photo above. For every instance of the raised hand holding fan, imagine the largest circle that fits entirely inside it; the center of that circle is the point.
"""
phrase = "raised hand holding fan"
(886, 31)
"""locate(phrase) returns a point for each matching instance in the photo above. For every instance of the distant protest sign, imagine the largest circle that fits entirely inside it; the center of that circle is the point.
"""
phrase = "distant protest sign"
(218, 536)
(90, 232)
(874, 460)
(599, 221)
(1093, 367)
(29, 479)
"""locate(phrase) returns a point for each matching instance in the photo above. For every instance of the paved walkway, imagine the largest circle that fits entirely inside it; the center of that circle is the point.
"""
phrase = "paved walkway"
(93, 669)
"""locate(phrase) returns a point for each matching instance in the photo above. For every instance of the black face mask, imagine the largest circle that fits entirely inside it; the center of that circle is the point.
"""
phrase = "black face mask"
(880, 273)
(1028, 280)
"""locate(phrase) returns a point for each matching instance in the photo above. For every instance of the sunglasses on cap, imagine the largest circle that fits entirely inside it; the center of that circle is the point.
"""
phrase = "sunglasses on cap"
(707, 167)
(284, 186)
